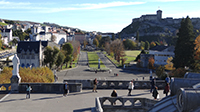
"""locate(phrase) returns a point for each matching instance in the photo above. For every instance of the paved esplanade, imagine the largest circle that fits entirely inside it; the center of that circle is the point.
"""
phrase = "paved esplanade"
(74, 102)
(81, 72)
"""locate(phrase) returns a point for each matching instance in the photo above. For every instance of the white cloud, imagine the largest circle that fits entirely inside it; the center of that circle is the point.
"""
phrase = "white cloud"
(105, 5)
(45, 9)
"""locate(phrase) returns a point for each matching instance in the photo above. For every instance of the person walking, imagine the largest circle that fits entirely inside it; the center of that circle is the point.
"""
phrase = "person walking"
(65, 87)
(130, 87)
(28, 91)
(166, 89)
(153, 84)
(95, 85)
(114, 94)
(155, 92)
(55, 76)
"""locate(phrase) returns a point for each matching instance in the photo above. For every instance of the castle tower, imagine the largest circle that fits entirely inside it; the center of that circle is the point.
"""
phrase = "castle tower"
(159, 14)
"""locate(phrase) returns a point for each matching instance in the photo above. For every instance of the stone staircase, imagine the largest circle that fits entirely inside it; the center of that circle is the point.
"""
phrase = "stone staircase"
(167, 104)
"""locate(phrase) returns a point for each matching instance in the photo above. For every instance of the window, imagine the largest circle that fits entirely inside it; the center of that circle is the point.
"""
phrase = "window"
(22, 65)
(32, 56)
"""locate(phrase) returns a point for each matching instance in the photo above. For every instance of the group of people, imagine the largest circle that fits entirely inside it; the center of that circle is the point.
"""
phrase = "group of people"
(154, 88)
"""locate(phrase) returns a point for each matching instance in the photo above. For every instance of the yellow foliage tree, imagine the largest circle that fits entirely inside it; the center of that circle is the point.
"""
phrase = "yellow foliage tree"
(169, 65)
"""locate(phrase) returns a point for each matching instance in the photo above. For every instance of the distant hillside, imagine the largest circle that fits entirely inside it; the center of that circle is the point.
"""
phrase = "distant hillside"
(157, 30)
(2, 24)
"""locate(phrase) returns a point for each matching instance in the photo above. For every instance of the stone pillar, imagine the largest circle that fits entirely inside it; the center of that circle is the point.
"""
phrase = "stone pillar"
(15, 79)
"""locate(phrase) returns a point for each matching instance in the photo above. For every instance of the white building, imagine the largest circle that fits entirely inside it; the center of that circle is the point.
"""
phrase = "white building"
(6, 35)
(45, 33)
(30, 53)
(161, 54)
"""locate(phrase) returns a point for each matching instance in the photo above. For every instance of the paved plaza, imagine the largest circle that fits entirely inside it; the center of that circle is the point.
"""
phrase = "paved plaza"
(75, 102)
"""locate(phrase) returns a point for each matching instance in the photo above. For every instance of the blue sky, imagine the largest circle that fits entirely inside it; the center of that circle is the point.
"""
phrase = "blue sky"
(94, 15)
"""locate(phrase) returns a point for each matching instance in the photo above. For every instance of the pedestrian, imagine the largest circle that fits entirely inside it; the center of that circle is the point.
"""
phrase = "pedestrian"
(55, 76)
(28, 91)
(166, 89)
(130, 87)
(65, 87)
(167, 79)
(114, 94)
(94, 85)
(153, 84)
(155, 93)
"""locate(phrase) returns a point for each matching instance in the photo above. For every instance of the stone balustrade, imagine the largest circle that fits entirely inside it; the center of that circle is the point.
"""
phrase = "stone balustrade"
(7, 87)
(177, 83)
(188, 99)
(108, 104)
(117, 84)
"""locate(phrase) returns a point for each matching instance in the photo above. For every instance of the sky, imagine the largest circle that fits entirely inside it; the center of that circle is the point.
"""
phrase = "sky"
(95, 15)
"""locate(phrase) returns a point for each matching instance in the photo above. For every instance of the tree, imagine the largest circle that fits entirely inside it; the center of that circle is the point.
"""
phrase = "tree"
(50, 55)
(60, 59)
(152, 44)
(98, 37)
(14, 41)
(117, 48)
(169, 65)
(197, 53)
(151, 63)
(67, 50)
(107, 47)
(184, 49)
(104, 40)
(96, 42)
(85, 43)
(137, 36)
(129, 44)
(146, 47)
(20, 34)
(113, 37)
(53, 38)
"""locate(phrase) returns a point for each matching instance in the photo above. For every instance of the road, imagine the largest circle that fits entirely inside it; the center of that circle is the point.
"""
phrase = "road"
(82, 72)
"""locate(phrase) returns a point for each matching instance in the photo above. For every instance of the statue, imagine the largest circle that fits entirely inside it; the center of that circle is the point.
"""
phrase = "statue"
(15, 79)
(16, 63)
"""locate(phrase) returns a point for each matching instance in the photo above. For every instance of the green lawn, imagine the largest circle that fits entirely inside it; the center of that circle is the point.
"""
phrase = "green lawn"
(130, 56)
(2, 24)
(93, 60)
(133, 53)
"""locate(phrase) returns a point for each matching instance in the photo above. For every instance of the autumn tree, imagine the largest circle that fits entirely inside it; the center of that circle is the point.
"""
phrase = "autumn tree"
(169, 65)
(152, 44)
(184, 49)
(96, 42)
(98, 37)
(107, 47)
(197, 53)
(117, 48)
(151, 63)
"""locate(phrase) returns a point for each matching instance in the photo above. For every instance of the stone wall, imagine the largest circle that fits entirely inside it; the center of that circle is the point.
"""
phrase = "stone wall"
(50, 87)
(117, 84)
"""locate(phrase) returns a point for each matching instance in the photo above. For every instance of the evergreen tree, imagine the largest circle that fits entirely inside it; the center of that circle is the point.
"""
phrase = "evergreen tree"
(137, 36)
(146, 45)
(184, 50)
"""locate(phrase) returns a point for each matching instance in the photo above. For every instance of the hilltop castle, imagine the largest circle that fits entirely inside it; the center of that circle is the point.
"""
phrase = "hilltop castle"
(157, 16)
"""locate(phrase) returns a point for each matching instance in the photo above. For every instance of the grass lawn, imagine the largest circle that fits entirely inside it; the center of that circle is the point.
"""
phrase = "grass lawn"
(93, 60)
(130, 56)
(133, 53)
(3, 24)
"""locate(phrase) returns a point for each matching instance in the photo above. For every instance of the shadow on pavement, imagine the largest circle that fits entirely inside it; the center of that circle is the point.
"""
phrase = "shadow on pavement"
(80, 93)
(45, 98)
(83, 110)
(12, 100)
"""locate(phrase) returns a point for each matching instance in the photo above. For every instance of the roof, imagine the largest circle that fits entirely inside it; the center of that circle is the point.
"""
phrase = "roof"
(30, 45)
(159, 48)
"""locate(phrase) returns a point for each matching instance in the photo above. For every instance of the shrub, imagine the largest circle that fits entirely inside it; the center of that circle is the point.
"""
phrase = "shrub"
(44, 75)
(180, 72)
